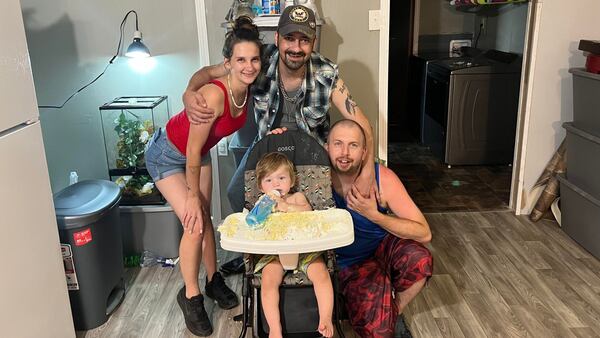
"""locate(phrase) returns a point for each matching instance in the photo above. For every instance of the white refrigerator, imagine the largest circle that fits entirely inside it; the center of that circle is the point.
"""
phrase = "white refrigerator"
(33, 292)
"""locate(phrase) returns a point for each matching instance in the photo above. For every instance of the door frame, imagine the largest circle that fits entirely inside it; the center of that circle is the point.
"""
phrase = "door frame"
(384, 51)
(529, 56)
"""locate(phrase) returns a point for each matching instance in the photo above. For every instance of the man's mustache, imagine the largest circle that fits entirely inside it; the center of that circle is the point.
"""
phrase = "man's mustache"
(301, 54)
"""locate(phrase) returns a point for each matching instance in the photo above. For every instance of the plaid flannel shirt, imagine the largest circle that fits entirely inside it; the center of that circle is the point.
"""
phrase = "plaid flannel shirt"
(313, 116)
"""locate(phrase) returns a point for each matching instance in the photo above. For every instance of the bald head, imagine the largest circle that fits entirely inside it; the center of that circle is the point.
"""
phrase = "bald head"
(346, 147)
(348, 124)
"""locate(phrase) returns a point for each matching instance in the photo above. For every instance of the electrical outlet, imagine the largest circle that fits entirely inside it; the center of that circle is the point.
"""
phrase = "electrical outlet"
(455, 46)
(222, 147)
(374, 20)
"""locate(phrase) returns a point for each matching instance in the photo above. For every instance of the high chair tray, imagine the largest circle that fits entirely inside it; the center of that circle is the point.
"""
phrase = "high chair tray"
(289, 233)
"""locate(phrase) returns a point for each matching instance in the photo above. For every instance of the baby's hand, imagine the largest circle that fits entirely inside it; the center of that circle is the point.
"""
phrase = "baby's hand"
(281, 205)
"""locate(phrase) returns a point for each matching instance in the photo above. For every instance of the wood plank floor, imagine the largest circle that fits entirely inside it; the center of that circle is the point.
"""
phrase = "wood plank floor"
(495, 275)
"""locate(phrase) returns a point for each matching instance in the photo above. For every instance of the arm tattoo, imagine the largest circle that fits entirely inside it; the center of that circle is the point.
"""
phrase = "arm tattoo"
(350, 105)
(338, 87)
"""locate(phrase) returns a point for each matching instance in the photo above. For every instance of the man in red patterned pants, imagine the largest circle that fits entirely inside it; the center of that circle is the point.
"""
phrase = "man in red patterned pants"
(387, 265)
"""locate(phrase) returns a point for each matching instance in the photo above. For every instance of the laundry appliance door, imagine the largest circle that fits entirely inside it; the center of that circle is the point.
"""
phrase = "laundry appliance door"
(482, 119)
(436, 110)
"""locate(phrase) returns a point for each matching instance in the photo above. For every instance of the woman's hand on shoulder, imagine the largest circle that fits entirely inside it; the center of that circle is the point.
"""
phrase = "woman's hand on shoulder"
(215, 99)
(196, 108)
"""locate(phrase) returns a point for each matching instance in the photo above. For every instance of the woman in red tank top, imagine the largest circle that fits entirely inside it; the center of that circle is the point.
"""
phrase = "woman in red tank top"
(176, 160)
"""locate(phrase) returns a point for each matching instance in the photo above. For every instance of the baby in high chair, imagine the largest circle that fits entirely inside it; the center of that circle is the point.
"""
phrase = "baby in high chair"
(275, 171)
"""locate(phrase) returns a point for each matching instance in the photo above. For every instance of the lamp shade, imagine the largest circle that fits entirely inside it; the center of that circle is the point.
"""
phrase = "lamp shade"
(137, 49)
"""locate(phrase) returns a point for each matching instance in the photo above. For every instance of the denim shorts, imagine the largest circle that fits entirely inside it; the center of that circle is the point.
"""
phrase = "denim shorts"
(163, 159)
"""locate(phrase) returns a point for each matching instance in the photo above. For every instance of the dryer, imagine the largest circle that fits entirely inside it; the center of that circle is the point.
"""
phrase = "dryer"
(470, 110)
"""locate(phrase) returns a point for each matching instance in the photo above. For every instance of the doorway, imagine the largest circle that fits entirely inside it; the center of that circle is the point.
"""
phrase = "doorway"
(434, 182)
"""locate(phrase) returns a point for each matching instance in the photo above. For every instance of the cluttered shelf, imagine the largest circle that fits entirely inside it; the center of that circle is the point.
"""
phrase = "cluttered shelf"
(265, 21)
(265, 13)
(262, 21)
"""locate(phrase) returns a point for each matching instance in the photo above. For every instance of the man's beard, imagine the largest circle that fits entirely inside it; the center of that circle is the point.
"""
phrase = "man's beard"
(351, 170)
(294, 65)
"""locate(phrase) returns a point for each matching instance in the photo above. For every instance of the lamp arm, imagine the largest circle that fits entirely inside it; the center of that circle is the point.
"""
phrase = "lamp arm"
(122, 27)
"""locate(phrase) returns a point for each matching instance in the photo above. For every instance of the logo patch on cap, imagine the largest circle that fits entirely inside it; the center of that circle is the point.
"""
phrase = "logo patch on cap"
(299, 14)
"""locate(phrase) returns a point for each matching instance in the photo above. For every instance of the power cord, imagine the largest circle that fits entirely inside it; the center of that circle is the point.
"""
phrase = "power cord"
(478, 34)
(105, 68)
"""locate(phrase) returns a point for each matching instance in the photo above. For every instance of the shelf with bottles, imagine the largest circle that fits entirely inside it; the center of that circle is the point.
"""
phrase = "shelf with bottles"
(128, 123)
(265, 13)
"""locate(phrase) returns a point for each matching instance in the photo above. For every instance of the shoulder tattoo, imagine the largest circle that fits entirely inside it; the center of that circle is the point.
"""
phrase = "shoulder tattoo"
(336, 86)
(350, 105)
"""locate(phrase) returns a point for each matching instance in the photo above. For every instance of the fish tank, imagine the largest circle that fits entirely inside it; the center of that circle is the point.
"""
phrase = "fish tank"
(128, 123)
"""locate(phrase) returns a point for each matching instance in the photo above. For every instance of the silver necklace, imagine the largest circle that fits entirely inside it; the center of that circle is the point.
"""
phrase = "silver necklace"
(285, 93)
(231, 94)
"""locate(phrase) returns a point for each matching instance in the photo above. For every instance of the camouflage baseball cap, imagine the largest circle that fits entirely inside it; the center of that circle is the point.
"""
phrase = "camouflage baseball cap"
(297, 19)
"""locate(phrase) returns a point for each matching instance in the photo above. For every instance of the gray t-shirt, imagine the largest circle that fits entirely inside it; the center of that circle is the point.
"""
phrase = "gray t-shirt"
(289, 108)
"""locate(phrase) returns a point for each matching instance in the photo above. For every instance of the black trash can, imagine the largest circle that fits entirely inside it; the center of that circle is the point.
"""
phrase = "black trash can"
(87, 214)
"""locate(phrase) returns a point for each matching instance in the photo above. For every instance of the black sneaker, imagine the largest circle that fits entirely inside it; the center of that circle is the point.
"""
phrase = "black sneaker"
(219, 291)
(232, 267)
(196, 318)
(401, 330)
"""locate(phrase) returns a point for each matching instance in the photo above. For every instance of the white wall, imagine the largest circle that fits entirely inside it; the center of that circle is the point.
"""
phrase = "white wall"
(511, 28)
(560, 27)
(70, 42)
(215, 16)
(346, 40)
(505, 30)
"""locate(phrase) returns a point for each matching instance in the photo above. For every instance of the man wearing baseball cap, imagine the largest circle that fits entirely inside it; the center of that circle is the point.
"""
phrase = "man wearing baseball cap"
(297, 19)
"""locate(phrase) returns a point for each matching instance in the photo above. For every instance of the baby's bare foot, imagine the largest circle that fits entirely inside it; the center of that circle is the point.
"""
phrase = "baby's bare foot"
(326, 328)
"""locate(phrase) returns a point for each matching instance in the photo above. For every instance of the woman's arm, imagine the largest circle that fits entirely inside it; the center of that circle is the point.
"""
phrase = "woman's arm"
(196, 139)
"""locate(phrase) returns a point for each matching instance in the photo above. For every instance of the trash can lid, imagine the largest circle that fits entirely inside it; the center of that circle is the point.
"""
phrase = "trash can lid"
(85, 202)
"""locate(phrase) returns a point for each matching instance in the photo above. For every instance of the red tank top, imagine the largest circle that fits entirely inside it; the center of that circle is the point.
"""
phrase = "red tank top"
(178, 127)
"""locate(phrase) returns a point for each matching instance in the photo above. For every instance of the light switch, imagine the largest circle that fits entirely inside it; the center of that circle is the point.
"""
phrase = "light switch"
(374, 20)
